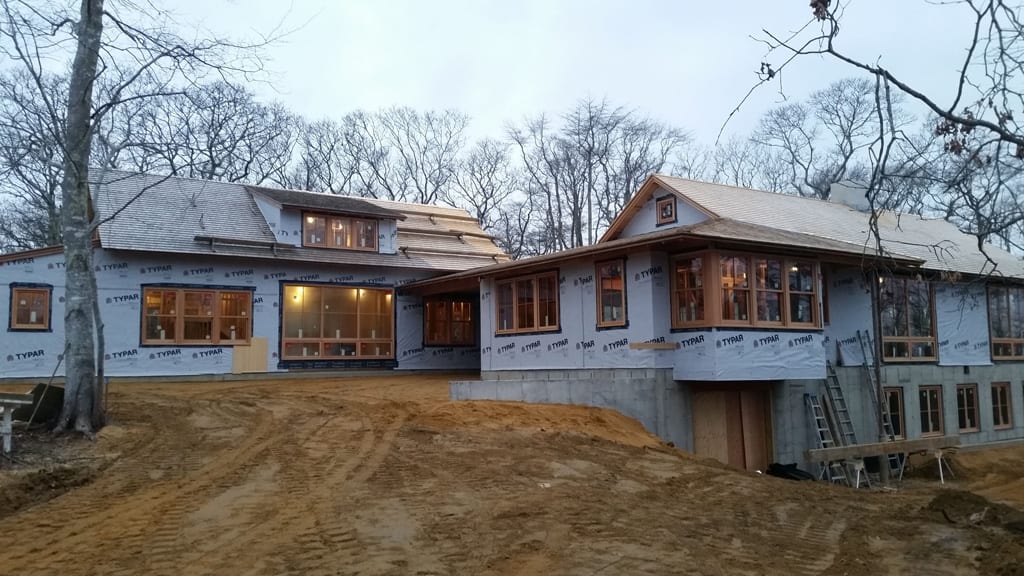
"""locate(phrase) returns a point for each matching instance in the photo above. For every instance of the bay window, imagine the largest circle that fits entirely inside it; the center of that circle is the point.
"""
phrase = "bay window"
(195, 316)
(908, 333)
(336, 322)
(1006, 321)
(527, 304)
(746, 290)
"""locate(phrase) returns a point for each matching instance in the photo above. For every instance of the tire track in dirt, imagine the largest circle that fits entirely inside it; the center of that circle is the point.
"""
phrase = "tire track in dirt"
(316, 473)
(142, 503)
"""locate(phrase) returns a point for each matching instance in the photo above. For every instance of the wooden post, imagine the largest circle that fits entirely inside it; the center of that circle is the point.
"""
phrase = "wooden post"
(6, 430)
(876, 366)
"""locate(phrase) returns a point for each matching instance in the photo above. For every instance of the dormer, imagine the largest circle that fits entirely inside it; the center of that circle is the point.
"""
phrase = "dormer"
(328, 221)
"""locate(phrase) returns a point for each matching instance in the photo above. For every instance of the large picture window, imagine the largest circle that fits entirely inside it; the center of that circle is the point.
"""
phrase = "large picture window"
(908, 333)
(1006, 321)
(611, 294)
(196, 316)
(527, 304)
(448, 322)
(30, 308)
(930, 404)
(967, 407)
(339, 232)
(335, 322)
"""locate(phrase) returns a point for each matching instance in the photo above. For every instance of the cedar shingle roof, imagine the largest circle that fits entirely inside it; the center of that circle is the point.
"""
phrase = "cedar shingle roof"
(168, 214)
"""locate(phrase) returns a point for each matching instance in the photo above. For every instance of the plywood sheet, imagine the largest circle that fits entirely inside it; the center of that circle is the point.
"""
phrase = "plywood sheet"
(250, 359)
(754, 409)
(710, 433)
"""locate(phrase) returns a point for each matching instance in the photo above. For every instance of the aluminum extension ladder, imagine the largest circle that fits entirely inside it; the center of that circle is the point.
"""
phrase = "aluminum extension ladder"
(835, 470)
(840, 410)
(881, 406)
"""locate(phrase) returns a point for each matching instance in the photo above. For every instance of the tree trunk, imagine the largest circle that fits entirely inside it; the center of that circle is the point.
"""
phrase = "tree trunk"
(80, 296)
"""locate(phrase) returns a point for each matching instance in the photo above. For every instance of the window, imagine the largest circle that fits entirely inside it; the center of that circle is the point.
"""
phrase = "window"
(30, 307)
(1006, 321)
(771, 293)
(611, 294)
(339, 232)
(894, 405)
(328, 322)
(196, 316)
(528, 304)
(907, 330)
(967, 407)
(930, 402)
(689, 292)
(1002, 415)
(666, 210)
(735, 288)
(801, 287)
(448, 323)
(756, 290)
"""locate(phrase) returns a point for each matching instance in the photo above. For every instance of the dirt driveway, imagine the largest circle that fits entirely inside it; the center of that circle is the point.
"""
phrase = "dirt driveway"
(384, 476)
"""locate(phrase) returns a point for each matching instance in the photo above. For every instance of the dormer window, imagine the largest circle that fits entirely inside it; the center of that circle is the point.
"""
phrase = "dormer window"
(339, 232)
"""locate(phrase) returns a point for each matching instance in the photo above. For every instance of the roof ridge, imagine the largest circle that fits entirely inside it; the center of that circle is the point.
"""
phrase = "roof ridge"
(787, 195)
(100, 170)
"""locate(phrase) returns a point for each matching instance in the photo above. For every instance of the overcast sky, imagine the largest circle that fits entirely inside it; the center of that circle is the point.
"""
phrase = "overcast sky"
(684, 62)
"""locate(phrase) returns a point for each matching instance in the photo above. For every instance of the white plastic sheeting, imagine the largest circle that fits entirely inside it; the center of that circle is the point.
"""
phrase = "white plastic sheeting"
(961, 318)
(121, 275)
(749, 355)
(849, 300)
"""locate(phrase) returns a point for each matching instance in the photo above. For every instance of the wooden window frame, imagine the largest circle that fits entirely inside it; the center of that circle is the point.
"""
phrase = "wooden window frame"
(713, 291)
(920, 409)
(349, 223)
(449, 304)
(909, 340)
(996, 405)
(515, 282)
(670, 202)
(962, 410)
(321, 342)
(178, 338)
(619, 322)
(677, 323)
(901, 409)
(16, 291)
(1015, 345)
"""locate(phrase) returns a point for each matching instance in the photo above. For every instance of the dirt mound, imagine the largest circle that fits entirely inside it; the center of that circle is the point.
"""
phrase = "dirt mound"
(994, 473)
(22, 490)
(490, 415)
(961, 507)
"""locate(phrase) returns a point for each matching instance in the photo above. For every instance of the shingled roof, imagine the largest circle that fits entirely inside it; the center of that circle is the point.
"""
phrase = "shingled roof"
(938, 244)
(145, 212)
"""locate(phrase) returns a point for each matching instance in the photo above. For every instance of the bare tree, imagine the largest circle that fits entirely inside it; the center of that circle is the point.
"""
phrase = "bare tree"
(823, 140)
(583, 172)
(30, 176)
(322, 164)
(138, 46)
(484, 181)
(977, 117)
